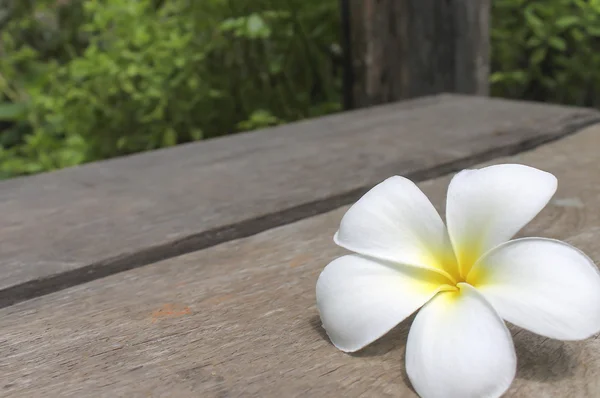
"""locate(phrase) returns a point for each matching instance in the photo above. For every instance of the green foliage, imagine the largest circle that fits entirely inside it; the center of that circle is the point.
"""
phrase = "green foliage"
(127, 76)
(547, 50)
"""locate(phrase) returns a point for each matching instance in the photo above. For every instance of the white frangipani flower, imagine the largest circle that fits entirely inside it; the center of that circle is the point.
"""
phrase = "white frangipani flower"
(466, 277)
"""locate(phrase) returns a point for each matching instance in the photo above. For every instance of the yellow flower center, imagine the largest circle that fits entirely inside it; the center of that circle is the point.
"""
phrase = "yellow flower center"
(457, 268)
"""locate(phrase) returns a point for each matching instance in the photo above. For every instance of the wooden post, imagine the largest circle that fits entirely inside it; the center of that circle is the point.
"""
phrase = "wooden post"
(408, 48)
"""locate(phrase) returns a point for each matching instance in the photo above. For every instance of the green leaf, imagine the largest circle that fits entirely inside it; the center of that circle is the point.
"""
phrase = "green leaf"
(497, 77)
(534, 41)
(577, 35)
(196, 134)
(593, 31)
(557, 43)
(12, 112)
(169, 137)
(257, 28)
(567, 21)
(537, 56)
(121, 143)
(231, 24)
(259, 118)
(533, 20)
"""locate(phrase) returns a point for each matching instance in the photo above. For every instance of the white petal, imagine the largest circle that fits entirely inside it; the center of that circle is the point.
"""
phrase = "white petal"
(395, 221)
(488, 206)
(543, 285)
(459, 347)
(360, 299)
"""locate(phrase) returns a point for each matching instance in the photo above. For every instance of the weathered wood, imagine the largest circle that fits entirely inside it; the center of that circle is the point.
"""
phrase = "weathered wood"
(75, 225)
(239, 319)
(409, 48)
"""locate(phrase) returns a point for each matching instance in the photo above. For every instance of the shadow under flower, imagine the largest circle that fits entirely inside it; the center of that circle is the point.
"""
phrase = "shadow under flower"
(394, 339)
(392, 342)
(317, 326)
(538, 358)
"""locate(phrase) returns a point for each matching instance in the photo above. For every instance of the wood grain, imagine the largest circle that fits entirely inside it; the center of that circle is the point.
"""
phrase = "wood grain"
(75, 225)
(408, 48)
(239, 319)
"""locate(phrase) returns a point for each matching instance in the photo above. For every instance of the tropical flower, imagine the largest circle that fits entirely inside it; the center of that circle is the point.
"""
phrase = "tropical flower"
(467, 278)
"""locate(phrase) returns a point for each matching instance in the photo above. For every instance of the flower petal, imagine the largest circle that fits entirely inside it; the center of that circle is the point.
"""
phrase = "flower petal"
(543, 285)
(396, 222)
(360, 299)
(488, 206)
(459, 347)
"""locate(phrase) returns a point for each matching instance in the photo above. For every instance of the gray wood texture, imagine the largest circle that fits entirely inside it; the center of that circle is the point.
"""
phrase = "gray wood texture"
(239, 319)
(75, 225)
(408, 48)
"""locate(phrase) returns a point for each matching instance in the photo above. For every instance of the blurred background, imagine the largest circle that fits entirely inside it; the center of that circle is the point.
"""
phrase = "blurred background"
(84, 80)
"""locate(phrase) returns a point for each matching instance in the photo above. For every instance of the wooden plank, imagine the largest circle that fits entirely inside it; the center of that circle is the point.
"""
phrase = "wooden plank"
(239, 319)
(403, 49)
(75, 225)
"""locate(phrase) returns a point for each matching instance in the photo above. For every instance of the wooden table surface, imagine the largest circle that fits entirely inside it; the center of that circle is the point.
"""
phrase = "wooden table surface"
(190, 272)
